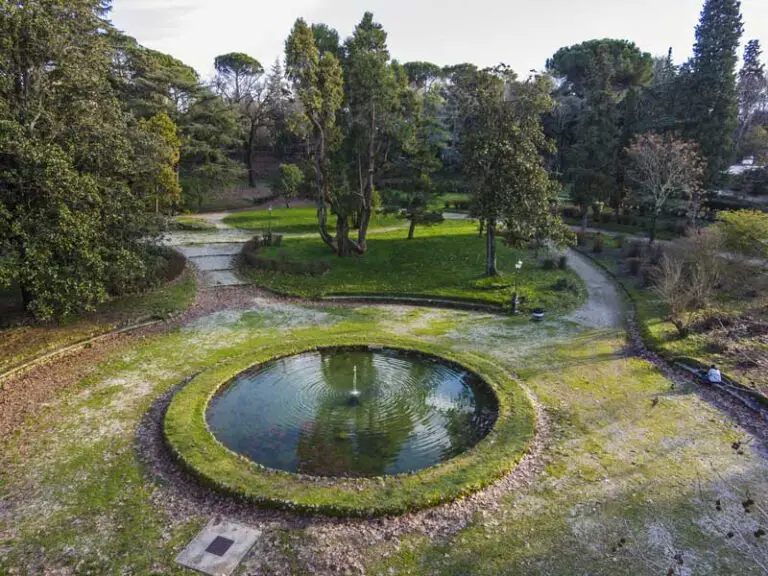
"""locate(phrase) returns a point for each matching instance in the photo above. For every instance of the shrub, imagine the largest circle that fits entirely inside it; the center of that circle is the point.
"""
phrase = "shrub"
(688, 275)
(636, 249)
(634, 265)
(549, 264)
(745, 232)
(647, 276)
(581, 239)
(619, 241)
(281, 263)
(598, 244)
(571, 213)
(562, 262)
(565, 285)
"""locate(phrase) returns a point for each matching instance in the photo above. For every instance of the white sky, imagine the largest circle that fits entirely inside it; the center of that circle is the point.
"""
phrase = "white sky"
(521, 33)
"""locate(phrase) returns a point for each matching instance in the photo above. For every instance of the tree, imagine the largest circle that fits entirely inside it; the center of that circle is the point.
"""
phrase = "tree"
(664, 166)
(369, 91)
(72, 228)
(753, 88)
(327, 40)
(422, 139)
(319, 85)
(210, 135)
(709, 102)
(157, 164)
(288, 182)
(600, 96)
(594, 65)
(423, 75)
(501, 148)
(240, 80)
(236, 75)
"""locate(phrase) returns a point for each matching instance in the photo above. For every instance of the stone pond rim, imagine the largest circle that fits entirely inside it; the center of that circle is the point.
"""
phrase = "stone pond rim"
(190, 440)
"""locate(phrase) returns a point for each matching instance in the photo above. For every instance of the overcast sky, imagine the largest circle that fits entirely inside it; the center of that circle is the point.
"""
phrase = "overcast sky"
(521, 33)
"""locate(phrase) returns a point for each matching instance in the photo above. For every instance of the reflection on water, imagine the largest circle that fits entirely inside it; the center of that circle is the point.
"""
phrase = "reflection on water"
(295, 414)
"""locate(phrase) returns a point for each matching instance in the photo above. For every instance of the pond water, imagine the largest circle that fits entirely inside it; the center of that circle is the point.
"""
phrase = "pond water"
(353, 412)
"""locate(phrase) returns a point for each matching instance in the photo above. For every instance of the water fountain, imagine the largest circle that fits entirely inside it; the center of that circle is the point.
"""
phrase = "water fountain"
(354, 395)
(300, 414)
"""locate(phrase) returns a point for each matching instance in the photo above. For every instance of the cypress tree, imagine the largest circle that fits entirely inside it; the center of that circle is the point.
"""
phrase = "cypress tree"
(711, 104)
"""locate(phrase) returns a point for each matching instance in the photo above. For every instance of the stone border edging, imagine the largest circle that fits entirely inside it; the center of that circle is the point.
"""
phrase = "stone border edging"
(424, 301)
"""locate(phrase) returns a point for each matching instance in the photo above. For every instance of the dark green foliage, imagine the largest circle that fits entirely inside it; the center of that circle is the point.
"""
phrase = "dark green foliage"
(549, 264)
(72, 229)
(599, 64)
(562, 262)
(598, 244)
(502, 146)
(422, 75)
(709, 101)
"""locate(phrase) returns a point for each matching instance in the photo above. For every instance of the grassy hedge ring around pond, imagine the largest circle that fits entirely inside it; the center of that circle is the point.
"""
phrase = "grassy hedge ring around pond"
(189, 438)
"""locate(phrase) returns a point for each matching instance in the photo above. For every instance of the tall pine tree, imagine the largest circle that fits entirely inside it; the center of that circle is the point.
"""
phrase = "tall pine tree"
(710, 107)
(752, 87)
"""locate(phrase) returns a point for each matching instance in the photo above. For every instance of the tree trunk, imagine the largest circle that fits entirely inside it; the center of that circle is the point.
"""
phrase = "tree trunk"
(26, 297)
(412, 228)
(481, 228)
(344, 245)
(490, 249)
(652, 231)
(585, 220)
(322, 192)
(365, 220)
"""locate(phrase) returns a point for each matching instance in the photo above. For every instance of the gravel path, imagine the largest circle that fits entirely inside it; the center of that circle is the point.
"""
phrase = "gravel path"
(604, 308)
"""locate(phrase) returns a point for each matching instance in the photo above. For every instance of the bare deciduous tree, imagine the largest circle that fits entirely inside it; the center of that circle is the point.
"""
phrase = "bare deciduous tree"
(688, 275)
(662, 167)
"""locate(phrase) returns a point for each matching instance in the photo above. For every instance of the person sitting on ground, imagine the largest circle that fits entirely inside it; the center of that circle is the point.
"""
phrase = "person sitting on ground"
(714, 376)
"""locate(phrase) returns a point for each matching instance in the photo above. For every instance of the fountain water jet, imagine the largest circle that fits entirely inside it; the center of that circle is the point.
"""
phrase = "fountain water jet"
(354, 396)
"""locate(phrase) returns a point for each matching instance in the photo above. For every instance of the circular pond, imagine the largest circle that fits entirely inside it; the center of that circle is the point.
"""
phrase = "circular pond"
(353, 412)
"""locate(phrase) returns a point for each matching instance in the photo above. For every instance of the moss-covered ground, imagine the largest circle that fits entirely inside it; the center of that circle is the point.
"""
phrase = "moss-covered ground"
(637, 478)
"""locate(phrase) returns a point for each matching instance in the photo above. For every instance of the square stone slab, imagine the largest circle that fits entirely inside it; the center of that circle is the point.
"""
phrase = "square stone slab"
(219, 548)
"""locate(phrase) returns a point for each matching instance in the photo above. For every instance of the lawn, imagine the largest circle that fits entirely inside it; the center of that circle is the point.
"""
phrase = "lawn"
(296, 220)
(627, 481)
(445, 261)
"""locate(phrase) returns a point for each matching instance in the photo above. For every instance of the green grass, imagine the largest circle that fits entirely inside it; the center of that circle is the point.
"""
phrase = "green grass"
(79, 496)
(444, 261)
(188, 436)
(295, 220)
(192, 223)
